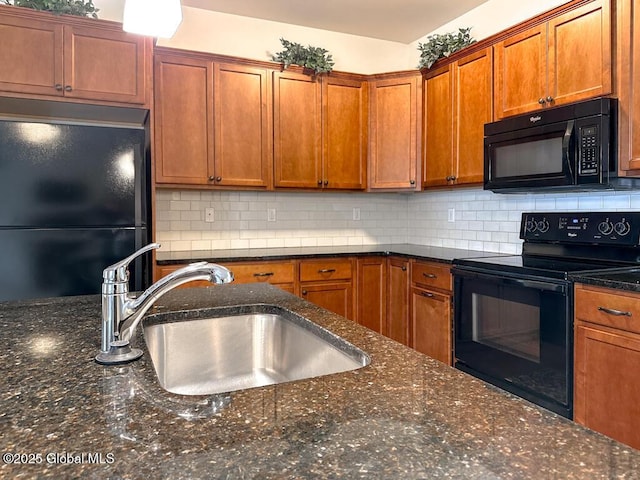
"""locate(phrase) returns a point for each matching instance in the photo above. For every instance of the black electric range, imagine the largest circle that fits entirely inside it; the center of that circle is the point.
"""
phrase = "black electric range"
(513, 314)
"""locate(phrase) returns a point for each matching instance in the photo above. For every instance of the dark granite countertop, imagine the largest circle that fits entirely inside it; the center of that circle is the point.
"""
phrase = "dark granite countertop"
(623, 278)
(403, 416)
(425, 252)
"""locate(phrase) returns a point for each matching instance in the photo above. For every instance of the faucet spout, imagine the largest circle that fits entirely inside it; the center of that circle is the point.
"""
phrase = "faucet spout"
(137, 307)
(121, 313)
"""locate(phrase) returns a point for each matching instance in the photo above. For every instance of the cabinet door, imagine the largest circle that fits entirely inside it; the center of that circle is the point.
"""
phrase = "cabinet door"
(628, 75)
(394, 107)
(104, 65)
(31, 56)
(183, 120)
(345, 130)
(520, 72)
(473, 80)
(242, 126)
(580, 53)
(397, 326)
(438, 128)
(431, 324)
(297, 131)
(371, 293)
(336, 297)
(607, 388)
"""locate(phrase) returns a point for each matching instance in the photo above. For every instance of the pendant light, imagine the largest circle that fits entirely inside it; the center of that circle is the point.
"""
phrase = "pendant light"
(155, 18)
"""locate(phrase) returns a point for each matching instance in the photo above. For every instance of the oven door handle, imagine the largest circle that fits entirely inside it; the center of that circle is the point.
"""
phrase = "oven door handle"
(520, 282)
(546, 286)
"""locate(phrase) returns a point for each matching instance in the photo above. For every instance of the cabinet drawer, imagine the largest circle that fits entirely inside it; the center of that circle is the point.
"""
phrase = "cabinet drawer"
(612, 308)
(434, 275)
(270, 272)
(331, 269)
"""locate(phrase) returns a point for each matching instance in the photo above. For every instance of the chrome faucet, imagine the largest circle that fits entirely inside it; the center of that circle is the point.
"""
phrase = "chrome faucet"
(121, 312)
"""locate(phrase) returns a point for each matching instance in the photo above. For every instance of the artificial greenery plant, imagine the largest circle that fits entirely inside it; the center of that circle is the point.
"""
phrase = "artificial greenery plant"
(82, 8)
(440, 46)
(313, 58)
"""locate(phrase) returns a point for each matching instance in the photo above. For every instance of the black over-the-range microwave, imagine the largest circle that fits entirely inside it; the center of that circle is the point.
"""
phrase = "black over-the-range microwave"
(571, 147)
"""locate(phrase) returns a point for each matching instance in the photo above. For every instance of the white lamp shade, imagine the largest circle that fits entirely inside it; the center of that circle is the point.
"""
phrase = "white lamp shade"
(155, 18)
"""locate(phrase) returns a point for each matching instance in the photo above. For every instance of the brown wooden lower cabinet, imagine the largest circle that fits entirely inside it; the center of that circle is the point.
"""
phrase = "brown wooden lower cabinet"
(397, 326)
(431, 323)
(371, 293)
(404, 299)
(328, 282)
(336, 297)
(607, 357)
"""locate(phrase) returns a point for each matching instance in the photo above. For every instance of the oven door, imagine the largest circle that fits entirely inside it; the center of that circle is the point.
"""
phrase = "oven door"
(515, 332)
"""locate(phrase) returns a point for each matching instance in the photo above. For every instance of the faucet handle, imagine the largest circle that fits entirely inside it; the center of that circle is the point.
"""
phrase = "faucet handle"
(118, 271)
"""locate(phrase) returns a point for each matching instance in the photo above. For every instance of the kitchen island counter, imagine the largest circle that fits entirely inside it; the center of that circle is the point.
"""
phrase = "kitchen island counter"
(403, 416)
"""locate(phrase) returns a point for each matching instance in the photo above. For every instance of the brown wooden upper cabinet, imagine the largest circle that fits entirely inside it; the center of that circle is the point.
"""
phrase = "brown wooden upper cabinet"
(628, 70)
(320, 132)
(213, 122)
(457, 103)
(74, 58)
(394, 147)
(563, 60)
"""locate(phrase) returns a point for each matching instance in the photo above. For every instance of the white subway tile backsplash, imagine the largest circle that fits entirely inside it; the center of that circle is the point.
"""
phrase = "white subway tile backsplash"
(483, 220)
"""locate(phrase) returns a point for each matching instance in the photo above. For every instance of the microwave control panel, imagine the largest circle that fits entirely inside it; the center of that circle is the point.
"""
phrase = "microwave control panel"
(589, 150)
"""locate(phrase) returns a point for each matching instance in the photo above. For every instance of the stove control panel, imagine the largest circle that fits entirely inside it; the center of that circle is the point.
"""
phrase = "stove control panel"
(612, 228)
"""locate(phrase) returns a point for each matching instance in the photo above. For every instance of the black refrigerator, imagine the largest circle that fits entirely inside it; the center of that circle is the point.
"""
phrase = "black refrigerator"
(74, 198)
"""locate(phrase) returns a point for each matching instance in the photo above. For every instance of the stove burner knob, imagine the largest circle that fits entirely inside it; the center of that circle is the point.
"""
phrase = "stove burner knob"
(543, 226)
(530, 226)
(622, 228)
(605, 228)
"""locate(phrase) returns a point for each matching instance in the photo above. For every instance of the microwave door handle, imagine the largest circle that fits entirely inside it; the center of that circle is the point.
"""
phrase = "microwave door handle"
(566, 143)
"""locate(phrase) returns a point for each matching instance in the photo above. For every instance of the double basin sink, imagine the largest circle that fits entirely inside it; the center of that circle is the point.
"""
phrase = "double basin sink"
(219, 350)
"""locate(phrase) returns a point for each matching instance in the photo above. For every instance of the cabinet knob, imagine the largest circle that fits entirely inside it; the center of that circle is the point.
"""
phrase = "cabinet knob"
(549, 99)
(212, 178)
(58, 87)
(453, 178)
(320, 182)
(304, 292)
(67, 88)
(404, 268)
(412, 182)
(326, 182)
(218, 179)
(542, 101)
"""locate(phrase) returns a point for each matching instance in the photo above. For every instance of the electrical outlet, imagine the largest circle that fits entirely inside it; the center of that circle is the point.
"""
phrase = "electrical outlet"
(271, 215)
(208, 215)
(451, 215)
(356, 214)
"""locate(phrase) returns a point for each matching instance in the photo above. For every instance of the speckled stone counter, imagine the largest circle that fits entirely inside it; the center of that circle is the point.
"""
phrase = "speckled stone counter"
(626, 278)
(424, 252)
(403, 416)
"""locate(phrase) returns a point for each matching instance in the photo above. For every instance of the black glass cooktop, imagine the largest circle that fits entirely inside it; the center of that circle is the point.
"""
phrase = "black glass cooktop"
(534, 266)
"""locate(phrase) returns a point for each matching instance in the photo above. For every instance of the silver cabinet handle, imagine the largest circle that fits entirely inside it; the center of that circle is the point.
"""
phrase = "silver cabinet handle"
(327, 270)
(264, 274)
(429, 275)
(617, 313)
(426, 294)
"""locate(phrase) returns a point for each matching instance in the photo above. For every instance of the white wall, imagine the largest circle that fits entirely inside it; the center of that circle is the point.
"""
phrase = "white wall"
(244, 37)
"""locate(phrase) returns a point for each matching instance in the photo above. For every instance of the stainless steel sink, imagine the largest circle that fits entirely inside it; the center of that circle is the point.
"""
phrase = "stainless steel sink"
(210, 351)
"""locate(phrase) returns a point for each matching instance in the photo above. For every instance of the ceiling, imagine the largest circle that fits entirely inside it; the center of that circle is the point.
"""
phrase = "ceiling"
(403, 21)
